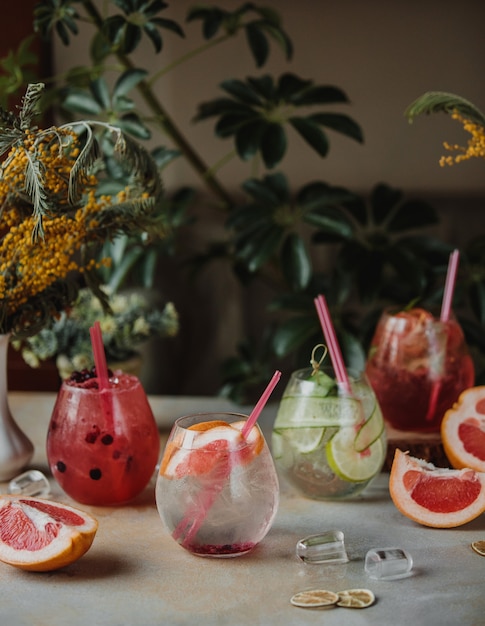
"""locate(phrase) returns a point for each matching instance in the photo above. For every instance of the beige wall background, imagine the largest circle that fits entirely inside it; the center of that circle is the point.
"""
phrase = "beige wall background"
(383, 54)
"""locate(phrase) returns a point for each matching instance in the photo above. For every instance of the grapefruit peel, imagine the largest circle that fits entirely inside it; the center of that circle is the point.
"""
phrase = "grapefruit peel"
(463, 430)
(206, 447)
(433, 496)
(39, 535)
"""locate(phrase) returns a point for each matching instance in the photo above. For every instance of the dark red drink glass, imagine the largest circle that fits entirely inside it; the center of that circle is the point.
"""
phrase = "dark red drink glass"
(418, 365)
(103, 445)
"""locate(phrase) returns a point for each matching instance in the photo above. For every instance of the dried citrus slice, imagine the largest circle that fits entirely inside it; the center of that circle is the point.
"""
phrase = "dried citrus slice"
(463, 430)
(314, 598)
(356, 598)
(436, 497)
(40, 535)
(479, 547)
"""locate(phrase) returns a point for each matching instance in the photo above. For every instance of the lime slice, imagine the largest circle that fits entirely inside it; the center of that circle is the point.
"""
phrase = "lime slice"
(303, 440)
(348, 463)
(317, 411)
(370, 431)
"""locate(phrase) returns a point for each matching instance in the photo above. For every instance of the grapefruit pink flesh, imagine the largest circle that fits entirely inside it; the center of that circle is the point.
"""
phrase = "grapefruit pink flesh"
(442, 495)
(39, 535)
(436, 497)
(473, 438)
(210, 450)
(463, 430)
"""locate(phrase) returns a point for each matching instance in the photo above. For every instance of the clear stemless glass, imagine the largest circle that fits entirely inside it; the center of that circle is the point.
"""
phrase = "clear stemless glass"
(217, 493)
(418, 365)
(328, 443)
(103, 446)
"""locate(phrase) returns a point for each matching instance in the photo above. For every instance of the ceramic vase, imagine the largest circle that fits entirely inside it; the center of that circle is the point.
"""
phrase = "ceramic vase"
(16, 449)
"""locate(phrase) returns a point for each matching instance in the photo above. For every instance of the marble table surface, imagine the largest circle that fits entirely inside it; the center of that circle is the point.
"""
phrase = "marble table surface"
(135, 574)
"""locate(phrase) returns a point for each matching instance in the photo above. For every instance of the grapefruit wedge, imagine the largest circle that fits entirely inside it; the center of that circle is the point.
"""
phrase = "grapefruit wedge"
(436, 497)
(463, 430)
(40, 536)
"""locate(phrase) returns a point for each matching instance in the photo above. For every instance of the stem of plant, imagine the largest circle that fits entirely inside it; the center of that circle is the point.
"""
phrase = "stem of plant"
(165, 121)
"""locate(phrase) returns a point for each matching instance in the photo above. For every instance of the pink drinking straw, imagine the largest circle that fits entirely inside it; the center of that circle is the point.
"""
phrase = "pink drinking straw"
(444, 317)
(332, 343)
(195, 516)
(101, 369)
(449, 286)
(99, 356)
(260, 404)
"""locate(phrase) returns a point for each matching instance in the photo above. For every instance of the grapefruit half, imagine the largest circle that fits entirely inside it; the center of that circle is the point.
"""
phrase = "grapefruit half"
(436, 497)
(40, 536)
(463, 430)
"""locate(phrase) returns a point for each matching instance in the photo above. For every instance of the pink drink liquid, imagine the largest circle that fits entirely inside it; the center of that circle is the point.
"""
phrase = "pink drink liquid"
(103, 447)
(418, 367)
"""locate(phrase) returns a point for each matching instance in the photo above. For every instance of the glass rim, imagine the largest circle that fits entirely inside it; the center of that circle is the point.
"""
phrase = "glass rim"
(133, 381)
(206, 416)
(392, 310)
(353, 373)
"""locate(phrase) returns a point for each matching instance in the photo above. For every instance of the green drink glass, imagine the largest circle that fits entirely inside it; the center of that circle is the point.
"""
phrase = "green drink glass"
(327, 442)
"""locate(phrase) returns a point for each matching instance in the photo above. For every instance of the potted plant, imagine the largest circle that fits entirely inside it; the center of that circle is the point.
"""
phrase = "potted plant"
(378, 248)
(130, 322)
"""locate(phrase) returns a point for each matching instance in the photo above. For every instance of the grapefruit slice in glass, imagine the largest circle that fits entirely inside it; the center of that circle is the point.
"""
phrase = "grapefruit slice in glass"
(40, 535)
(210, 449)
(436, 497)
(463, 430)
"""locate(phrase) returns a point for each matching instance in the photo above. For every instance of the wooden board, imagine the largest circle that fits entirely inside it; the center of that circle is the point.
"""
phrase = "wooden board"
(427, 446)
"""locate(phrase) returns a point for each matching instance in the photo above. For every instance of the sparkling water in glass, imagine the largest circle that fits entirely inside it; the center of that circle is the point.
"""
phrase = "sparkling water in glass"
(217, 493)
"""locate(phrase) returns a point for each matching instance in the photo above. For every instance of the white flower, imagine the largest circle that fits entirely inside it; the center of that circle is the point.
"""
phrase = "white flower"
(119, 303)
(64, 366)
(30, 358)
(141, 326)
(134, 320)
(95, 304)
(81, 361)
(108, 325)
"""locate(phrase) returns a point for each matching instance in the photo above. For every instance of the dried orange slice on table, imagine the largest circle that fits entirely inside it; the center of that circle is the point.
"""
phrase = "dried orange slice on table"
(463, 430)
(40, 535)
(356, 598)
(434, 496)
(479, 547)
(314, 598)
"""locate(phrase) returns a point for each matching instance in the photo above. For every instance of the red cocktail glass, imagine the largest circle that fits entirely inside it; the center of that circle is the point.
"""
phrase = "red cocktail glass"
(418, 365)
(103, 444)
